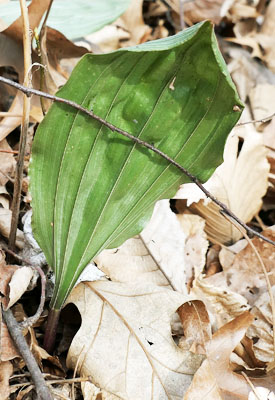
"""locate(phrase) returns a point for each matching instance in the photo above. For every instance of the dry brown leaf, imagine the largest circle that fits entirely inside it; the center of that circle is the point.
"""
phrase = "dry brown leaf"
(215, 378)
(6, 272)
(221, 302)
(196, 327)
(36, 11)
(7, 162)
(262, 100)
(240, 183)
(6, 370)
(8, 351)
(92, 392)
(18, 284)
(245, 275)
(156, 256)
(125, 342)
(107, 39)
(261, 331)
(196, 245)
(199, 10)
(5, 223)
(132, 21)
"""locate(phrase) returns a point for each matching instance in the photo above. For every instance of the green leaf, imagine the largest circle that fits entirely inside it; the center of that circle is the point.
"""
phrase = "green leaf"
(74, 18)
(92, 188)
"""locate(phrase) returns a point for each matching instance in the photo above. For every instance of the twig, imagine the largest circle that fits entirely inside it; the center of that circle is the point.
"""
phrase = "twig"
(24, 127)
(10, 114)
(31, 320)
(181, 6)
(226, 210)
(43, 392)
(269, 288)
(255, 121)
(251, 385)
(55, 381)
(9, 151)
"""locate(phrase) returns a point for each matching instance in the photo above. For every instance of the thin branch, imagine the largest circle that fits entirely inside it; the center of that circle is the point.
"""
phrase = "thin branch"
(43, 392)
(33, 319)
(255, 121)
(24, 126)
(113, 128)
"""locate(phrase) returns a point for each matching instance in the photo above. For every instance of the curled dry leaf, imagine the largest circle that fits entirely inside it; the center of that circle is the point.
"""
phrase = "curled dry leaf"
(214, 377)
(7, 162)
(199, 10)
(196, 245)
(5, 224)
(240, 183)
(261, 331)
(6, 370)
(196, 327)
(132, 21)
(224, 304)
(245, 275)
(18, 284)
(125, 342)
(155, 256)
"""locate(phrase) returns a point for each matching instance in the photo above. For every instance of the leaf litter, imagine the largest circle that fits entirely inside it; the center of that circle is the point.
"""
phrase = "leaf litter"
(218, 336)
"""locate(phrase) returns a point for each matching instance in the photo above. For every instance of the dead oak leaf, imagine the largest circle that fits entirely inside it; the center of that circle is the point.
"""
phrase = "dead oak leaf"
(156, 256)
(125, 342)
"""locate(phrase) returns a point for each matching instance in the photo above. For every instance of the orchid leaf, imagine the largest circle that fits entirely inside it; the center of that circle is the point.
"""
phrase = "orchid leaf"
(92, 188)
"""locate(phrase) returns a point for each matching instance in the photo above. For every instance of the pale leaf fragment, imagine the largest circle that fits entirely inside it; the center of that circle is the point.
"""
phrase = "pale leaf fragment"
(223, 303)
(125, 342)
(6, 370)
(215, 376)
(261, 331)
(156, 256)
(196, 326)
(240, 183)
(5, 224)
(18, 285)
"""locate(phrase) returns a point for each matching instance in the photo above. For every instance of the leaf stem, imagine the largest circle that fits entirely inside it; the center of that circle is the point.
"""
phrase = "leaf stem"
(24, 126)
(51, 330)
(193, 178)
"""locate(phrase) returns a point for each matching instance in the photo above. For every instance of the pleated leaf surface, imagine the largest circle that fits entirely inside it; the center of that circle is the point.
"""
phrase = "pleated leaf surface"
(93, 188)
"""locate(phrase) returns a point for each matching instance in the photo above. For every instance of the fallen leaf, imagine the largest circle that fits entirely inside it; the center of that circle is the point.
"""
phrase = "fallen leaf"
(221, 302)
(6, 370)
(261, 330)
(199, 10)
(5, 223)
(245, 275)
(215, 378)
(7, 163)
(132, 21)
(18, 284)
(8, 351)
(125, 342)
(196, 245)
(240, 183)
(196, 327)
(156, 256)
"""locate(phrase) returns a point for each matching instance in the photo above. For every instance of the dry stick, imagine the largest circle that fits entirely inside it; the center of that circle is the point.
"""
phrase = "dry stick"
(31, 320)
(10, 114)
(269, 288)
(24, 126)
(254, 121)
(113, 128)
(251, 385)
(43, 392)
